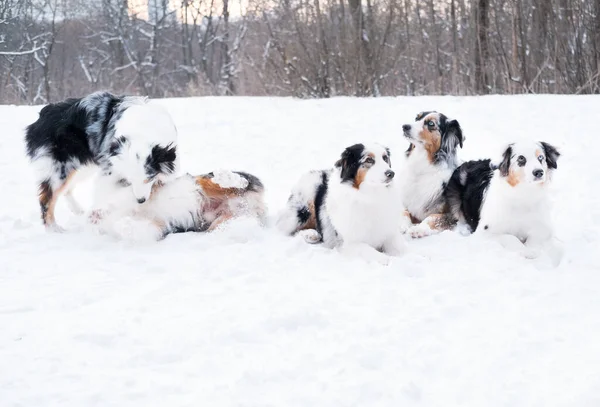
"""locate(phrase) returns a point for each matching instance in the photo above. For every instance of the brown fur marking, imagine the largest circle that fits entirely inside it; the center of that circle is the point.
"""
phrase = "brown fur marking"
(222, 218)
(514, 177)
(155, 187)
(439, 221)
(215, 191)
(360, 177)
(432, 139)
(48, 199)
(414, 219)
(410, 216)
(361, 173)
(45, 195)
(311, 223)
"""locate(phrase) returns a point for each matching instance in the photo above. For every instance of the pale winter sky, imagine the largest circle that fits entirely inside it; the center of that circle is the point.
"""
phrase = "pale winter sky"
(142, 7)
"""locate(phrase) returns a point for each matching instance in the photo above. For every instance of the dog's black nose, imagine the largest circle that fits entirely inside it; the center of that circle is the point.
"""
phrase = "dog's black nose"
(406, 127)
(141, 200)
(538, 173)
(390, 174)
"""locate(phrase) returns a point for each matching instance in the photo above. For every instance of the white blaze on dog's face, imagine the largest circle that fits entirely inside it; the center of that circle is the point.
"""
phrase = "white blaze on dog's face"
(139, 165)
(144, 149)
(434, 133)
(361, 166)
(528, 163)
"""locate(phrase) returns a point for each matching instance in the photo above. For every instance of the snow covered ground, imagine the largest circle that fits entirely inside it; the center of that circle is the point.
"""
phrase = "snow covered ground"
(245, 317)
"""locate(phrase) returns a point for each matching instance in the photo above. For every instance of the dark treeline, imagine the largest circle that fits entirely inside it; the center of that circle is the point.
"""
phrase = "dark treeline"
(52, 49)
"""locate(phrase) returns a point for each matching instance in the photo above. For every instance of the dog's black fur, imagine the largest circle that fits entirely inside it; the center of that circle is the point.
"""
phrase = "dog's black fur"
(466, 189)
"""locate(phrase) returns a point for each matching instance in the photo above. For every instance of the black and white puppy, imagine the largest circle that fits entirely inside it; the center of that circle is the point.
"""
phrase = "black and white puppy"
(509, 198)
(430, 161)
(132, 141)
(353, 207)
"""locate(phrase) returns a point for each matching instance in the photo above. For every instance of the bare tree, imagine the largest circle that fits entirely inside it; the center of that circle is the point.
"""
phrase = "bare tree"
(482, 48)
(52, 49)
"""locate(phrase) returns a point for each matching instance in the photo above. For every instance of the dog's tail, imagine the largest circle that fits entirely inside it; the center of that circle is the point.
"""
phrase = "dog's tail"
(229, 183)
(254, 184)
(242, 192)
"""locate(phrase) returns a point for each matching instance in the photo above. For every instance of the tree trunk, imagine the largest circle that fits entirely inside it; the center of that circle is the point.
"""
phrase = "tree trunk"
(365, 86)
(482, 49)
(226, 86)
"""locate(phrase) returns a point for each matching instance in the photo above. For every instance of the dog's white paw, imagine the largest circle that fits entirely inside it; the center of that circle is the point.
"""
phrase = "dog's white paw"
(419, 231)
(96, 216)
(310, 236)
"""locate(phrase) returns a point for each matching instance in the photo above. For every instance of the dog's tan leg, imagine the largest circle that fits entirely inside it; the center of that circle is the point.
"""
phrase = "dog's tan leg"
(45, 197)
(224, 217)
(48, 197)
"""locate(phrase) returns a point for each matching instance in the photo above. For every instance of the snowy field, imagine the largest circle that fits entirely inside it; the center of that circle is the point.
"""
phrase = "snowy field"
(245, 317)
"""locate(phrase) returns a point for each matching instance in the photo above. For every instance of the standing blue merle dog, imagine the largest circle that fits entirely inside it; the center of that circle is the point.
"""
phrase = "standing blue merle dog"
(132, 141)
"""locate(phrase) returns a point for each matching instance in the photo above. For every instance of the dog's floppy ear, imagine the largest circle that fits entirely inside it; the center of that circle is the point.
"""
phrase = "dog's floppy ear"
(350, 161)
(421, 115)
(551, 153)
(453, 127)
(505, 164)
(162, 159)
(451, 137)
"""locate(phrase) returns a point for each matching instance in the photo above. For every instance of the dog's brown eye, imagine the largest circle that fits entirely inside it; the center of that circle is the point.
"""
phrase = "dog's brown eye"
(386, 159)
(521, 161)
(370, 160)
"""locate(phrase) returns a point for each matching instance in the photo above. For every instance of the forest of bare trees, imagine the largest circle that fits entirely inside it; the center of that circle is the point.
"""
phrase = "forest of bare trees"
(52, 49)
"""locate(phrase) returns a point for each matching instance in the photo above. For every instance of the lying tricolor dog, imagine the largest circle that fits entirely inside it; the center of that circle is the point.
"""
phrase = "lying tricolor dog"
(353, 206)
(188, 204)
(430, 161)
(507, 198)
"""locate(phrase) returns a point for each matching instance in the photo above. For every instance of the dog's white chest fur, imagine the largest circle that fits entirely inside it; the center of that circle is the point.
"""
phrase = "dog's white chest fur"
(523, 211)
(422, 184)
(369, 215)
